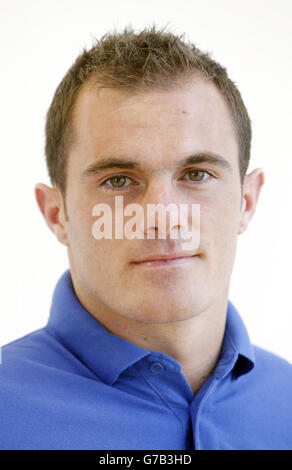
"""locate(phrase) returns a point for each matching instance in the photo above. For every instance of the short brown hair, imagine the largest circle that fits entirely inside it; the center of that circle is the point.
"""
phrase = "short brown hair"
(134, 61)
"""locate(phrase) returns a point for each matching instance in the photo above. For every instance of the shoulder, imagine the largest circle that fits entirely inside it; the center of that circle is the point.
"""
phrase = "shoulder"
(38, 347)
(37, 355)
(37, 374)
(272, 379)
(272, 364)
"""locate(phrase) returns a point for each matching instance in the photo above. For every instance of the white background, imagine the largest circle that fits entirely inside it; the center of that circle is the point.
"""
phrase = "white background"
(39, 41)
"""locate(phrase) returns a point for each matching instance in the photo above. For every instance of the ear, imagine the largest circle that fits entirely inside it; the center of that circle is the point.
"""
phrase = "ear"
(252, 185)
(51, 205)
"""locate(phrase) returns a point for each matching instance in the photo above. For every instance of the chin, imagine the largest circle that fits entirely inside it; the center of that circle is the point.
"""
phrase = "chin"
(165, 311)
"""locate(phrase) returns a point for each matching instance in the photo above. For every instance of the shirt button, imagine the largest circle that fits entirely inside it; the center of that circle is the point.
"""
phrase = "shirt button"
(156, 367)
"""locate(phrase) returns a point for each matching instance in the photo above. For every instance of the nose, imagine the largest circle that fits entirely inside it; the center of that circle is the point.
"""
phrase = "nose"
(161, 205)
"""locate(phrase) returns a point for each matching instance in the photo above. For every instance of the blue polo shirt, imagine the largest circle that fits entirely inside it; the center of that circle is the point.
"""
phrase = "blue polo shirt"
(75, 385)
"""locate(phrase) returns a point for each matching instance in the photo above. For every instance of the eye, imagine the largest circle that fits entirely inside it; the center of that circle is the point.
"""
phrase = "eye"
(197, 176)
(116, 182)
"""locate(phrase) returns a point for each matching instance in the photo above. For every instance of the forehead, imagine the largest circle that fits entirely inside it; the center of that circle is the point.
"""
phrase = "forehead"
(158, 126)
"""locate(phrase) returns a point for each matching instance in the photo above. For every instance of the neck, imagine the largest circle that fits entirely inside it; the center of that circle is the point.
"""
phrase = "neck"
(195, 342)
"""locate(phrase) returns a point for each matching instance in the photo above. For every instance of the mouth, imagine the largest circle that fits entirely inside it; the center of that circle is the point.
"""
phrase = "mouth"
(165, 261)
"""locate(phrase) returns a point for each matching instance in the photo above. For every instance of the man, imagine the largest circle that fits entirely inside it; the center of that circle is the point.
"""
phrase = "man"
(143, 349)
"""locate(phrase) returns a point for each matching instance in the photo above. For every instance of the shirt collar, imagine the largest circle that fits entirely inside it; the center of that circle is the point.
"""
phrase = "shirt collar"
(108, 355)
(237, 352)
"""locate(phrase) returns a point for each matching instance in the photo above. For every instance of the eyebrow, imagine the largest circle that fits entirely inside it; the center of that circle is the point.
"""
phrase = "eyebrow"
(112, 162)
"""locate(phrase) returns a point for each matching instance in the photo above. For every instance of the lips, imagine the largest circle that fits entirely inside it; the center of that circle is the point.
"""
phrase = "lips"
(165, 258)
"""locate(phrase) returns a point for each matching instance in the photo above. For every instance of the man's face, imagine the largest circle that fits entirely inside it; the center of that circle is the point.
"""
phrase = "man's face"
(157, 129)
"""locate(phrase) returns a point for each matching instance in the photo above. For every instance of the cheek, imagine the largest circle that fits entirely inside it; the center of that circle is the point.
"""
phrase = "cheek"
(83, 248)
(99, 258)
(219, 225)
